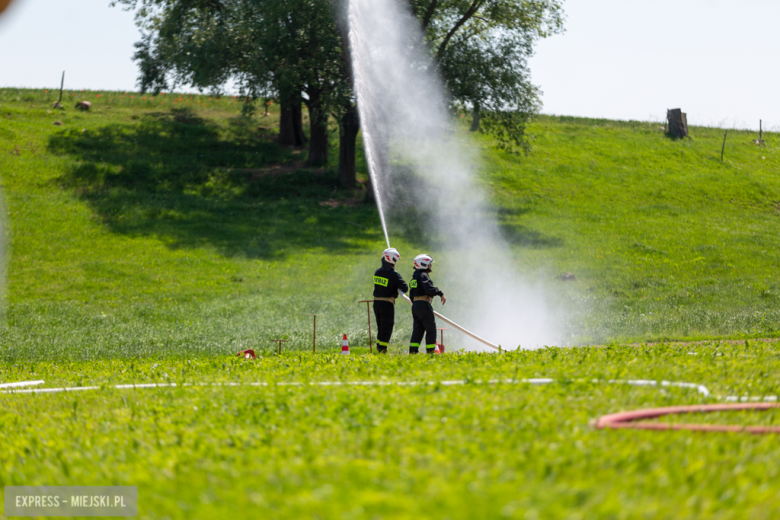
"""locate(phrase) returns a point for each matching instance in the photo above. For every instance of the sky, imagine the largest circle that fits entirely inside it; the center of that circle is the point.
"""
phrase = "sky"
(632, 59)
(618, 59)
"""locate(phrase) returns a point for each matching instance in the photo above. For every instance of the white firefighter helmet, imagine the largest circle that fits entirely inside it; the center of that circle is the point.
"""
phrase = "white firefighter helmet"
(391, 255)
(422, 262)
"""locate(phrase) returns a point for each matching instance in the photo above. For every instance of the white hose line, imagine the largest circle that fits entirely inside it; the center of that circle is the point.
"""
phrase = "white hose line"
(750, 398)
(21, 383)
(645, 382)
(701, 389)
(11, 388)
(464, 331)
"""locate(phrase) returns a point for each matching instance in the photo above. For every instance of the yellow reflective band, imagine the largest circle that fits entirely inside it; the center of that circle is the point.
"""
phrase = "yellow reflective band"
(414, 344)
(431, 346)
(413, 284)
(382, 343)
(378, 280)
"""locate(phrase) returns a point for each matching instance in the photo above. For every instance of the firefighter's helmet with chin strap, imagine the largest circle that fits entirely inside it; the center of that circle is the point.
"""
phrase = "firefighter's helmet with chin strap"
(391, 255)
(423, 262)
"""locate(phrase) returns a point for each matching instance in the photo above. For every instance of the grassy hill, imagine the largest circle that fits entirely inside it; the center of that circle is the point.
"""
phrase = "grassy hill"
(171, 224)
(667, 241)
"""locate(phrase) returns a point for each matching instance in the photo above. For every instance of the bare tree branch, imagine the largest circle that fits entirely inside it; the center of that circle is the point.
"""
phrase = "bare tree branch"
(475, 5)
(429, 14)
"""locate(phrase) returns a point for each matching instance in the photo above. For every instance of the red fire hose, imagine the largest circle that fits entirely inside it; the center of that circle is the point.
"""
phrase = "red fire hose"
(635, 418)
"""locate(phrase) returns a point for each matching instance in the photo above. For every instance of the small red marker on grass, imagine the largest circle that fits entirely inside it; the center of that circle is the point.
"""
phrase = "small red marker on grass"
(247, 354)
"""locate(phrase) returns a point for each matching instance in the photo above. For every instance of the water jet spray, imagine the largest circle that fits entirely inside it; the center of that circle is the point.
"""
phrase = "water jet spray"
(412, 148)
(371, 145)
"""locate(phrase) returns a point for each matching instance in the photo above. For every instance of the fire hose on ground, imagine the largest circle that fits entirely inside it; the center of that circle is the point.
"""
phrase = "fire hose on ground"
(463, 330)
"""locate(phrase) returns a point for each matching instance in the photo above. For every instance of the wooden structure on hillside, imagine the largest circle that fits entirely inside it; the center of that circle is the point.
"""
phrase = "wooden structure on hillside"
(678, 123)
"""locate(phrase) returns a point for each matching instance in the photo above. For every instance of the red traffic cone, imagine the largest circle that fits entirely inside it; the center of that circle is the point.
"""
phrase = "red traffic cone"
(345, 345)
(436, 350)
(247, 354)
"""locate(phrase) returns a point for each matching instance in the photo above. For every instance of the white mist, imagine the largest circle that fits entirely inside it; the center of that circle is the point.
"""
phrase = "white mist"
(420, 164)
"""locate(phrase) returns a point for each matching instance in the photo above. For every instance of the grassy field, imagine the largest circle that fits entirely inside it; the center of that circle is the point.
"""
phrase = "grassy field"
(155, 227)
(153, 237)
(173, 224)
(667, 241)
(429, 451)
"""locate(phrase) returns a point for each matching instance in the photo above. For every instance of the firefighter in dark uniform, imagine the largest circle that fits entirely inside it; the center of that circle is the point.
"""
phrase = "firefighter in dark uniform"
(387, 283)
(422, 293)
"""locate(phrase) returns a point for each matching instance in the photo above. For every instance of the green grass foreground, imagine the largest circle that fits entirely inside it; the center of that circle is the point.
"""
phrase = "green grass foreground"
(428, 451)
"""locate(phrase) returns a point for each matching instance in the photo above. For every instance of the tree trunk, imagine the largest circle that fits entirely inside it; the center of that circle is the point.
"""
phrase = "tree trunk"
(291, 123)
(286, 127)
(348, 131)
(318, 131)
(474, 119)
(380, 152)
(300, 137)
(370, 196)
(286, 135)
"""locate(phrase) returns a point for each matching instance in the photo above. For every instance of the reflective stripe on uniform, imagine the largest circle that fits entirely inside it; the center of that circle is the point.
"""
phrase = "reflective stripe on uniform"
(382, 343)
(414, 344)
(378, 280)
(431, 346)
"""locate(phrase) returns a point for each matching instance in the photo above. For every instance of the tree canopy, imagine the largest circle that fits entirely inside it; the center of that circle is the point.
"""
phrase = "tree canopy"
(297, 52)
(482, 47)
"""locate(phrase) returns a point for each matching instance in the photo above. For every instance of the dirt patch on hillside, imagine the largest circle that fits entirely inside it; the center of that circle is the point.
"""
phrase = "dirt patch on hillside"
(277, 169)
(334, 203)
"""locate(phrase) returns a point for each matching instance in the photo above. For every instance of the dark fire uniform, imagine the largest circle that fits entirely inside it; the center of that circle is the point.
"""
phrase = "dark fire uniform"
(387, 282)
(422, 294)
